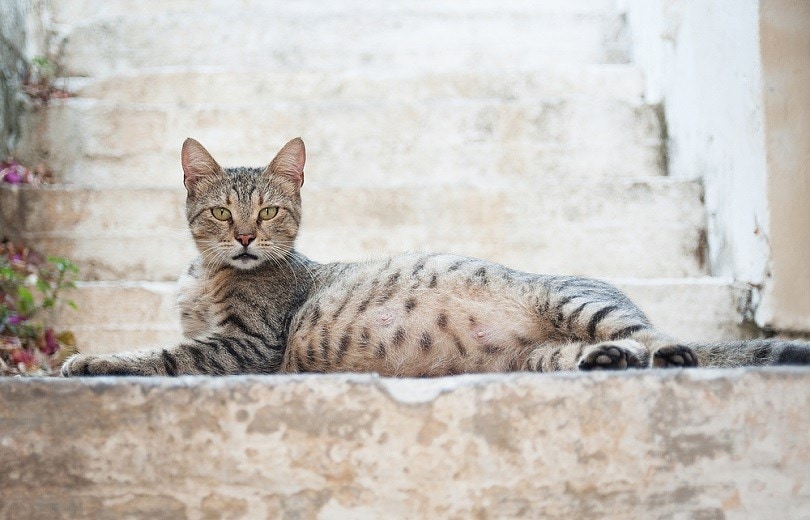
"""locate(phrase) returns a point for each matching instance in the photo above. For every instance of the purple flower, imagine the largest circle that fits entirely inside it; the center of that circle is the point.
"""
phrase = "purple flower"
(51, 346)
(14, 174)
(15, 319)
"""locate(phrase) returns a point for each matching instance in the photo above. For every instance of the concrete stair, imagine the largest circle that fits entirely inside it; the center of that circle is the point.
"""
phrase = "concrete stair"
(311, 35)
(355, 140)
(641, 444)
(651, 228)
(514, 131)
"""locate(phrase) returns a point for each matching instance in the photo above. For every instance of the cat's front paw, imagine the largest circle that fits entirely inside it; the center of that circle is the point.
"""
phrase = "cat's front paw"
(79, 365)
(76, 365)
(674, 356)
(607, 356)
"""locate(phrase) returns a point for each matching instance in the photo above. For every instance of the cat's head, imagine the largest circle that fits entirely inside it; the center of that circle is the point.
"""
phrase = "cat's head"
(243, 217)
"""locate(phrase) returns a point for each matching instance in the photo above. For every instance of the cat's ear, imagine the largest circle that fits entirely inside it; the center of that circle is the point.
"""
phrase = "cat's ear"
(197, 163)
(289, 162)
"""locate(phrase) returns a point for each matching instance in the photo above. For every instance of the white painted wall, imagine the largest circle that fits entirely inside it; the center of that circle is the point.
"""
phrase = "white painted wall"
(703, 60)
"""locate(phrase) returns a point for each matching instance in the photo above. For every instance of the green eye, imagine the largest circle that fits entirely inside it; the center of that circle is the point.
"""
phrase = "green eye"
(268, 213)
(221, 213)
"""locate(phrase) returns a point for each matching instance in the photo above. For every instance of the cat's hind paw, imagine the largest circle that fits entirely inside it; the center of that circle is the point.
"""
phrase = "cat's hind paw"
(607, 356)
(674, 356)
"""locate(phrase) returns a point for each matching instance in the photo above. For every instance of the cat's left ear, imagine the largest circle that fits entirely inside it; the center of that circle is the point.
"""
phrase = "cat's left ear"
(289, 161)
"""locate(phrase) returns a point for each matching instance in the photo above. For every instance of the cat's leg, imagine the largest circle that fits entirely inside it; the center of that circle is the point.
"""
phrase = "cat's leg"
(597, 314)
(666, 352)
(214, 355)
(578, 355)
(660, 352)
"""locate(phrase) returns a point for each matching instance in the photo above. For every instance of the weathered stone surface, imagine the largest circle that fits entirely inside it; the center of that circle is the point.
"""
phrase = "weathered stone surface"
(74, 13)
(642, 444)
(12, 68)
(206, 85)
(329, 36)
(613, 228)
(354, 142)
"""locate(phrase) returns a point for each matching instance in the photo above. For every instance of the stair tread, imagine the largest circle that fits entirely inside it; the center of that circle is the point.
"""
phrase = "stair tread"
(201, 85)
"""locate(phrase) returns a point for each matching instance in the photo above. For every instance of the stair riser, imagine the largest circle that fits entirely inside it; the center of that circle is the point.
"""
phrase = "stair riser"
(482, 164)
(646, 444)
(227, 86)
(610, 229)
(77, 13)
(277, 39)
(93, 143)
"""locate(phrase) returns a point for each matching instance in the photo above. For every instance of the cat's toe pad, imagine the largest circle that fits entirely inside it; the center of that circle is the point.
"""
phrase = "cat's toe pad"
(605, 357)
(674, 356)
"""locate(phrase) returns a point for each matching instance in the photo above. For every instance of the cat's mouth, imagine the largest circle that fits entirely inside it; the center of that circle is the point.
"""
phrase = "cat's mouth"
(245, 257)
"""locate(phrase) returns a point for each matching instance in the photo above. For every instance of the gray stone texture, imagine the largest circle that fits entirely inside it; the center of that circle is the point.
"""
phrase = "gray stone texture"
(641, 444)
(12, 67)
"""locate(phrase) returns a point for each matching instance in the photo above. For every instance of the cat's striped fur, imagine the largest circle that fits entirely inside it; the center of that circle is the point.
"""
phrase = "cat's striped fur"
(251, 304)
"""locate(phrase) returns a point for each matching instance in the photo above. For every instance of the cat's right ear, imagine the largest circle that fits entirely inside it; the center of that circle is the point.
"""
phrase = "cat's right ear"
(197, 163)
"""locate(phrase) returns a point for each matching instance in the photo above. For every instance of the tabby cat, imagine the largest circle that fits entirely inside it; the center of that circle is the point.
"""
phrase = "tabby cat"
(251, 304)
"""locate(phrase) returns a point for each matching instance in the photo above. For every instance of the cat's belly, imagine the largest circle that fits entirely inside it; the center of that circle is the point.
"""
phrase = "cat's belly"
(413, 329)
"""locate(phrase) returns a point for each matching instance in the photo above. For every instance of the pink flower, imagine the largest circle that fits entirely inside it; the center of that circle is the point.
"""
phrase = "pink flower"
(50, 345)
(23, 356)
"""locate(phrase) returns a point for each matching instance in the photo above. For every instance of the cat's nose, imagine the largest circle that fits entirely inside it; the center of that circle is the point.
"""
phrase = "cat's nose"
(245, 240)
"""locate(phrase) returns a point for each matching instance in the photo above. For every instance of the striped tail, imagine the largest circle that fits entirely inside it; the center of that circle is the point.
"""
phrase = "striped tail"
(758, 352)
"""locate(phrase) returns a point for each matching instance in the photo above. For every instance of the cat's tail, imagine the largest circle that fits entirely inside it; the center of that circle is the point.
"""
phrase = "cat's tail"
(758, 352)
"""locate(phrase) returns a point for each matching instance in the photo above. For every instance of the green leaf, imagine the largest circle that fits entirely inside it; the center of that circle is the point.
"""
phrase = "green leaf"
(43, 286)
(25, 301)
(63, 265)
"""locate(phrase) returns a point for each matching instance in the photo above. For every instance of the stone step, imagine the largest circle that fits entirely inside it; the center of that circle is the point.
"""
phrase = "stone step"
(120, 316)
(74, 13)
(287, 36)
(618, 228)
(644, 444)
(182, 86)
(96, 142)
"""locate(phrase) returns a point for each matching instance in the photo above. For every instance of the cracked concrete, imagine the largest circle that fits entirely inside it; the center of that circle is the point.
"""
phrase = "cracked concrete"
(655, 444)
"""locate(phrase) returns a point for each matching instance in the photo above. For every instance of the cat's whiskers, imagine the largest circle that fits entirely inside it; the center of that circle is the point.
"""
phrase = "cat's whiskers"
(281, 259)
(306, 268)
(216, 254)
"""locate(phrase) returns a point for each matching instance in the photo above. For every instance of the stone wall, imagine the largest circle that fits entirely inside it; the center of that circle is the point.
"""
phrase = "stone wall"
(12, 67)
(699, 443)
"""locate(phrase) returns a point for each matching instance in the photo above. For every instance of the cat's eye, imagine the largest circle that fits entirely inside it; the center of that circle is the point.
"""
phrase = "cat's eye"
(268, 213)
(221, 213)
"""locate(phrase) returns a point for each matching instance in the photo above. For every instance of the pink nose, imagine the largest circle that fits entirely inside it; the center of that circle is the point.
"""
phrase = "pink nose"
(245, 240)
